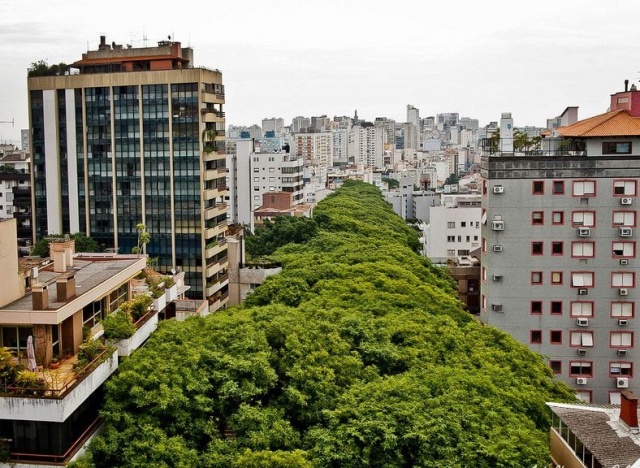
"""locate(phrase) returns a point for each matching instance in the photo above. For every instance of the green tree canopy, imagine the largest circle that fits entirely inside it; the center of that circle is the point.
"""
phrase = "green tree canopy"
(357, 354)
(83, 242)
(281, 231)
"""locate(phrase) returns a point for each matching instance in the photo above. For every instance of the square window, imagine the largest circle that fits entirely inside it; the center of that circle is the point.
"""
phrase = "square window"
(536, 248)
(536, 307)
(538, 187)
(556, 307)
(555, 336)
(536, 336)
(584, 188)
(556, 366)
(557, 248)
(537, 218)
(557, 217)
(556, 277)
(536, 277)
(558, 187)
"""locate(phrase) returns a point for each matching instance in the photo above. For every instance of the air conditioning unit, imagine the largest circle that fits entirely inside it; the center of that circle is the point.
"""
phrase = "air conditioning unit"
(622, 382)
(497, 277)
(496, 307)
(622, 352)
(583, 292)
(498, 189)
(582, 322)
(626, 201)
(582, 352)
(623, 322)
(497, 225)
(584, 232)
(623, 291)
(626, 232)
(497, 248)
(624, 261)
(581, 381)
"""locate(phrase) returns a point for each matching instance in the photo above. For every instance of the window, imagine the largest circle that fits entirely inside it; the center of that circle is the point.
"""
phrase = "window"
(616, 147)
(624, 188)
(621, 339)
(584, 188)
(623, 279)
(15, 338)
(581, 368)
(555, 336)
(557, 217)
(463, 224)
(484, 302)
(451, 225)
(556, 307)
(583, 218)
(484, 245)
(537, 218)
(557, 248)
(614, 398)
(536, 277)
(624, 218)
(556, 366)
(584, 396)
(582, 249)
(256, 179)
(537, 187)
(256, 169)
(558, 187)
(620, 368)
(556, 277)
(624, 249)
(582, 279)
(582, 309)
(622, 309)
(536, 307)
(536, 248)
(582, 338)
(535, 336)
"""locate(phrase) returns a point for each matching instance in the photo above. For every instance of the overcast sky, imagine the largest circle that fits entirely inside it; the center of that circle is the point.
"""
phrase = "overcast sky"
(284, 58)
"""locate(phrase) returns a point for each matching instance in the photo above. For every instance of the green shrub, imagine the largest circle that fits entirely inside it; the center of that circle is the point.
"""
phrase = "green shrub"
(30, 382)
(139, 306)
(118, 326)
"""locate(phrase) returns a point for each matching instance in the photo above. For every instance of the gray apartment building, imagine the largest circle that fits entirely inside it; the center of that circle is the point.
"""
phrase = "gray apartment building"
(559, 245)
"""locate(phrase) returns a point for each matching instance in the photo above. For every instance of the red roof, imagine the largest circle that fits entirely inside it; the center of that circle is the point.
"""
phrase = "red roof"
(614, 123)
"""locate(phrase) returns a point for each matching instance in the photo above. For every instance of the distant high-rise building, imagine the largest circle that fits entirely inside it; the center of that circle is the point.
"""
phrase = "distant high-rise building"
(275, 125)
(413, 116)
(24, 139)
(137, 136)
(300, 124)
(410, 136)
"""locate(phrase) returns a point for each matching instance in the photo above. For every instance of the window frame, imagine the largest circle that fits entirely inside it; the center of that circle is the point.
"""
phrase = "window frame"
(624, 244)
(552, 312)
(535, 221)
(611, 147)
(573, 314)
(633, 183)
(624, 223)
(534, 190)
(624, 277)
(627, 364)
(553, 215)
(553, 341)
(613, 333)
(531, 308)
(555, 244)
(582, 334)
(583, 212)
(557, 278)
(622, 303)
(592, 275)
(553, 187)
(583, 244)
(540, 245)
(541, 278)
(538, 335)
(584, 194)
(581, 364)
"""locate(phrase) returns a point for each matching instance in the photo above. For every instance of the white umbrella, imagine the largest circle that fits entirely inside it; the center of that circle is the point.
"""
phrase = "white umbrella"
(31, 354)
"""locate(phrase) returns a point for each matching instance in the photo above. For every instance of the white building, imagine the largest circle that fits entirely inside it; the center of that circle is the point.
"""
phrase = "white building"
(366, 146)
(275, 125)
(340, 145)
(252, 174)
(316, 149)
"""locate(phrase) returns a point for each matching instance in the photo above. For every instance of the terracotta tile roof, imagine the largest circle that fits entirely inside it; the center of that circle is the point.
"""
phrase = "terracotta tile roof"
(614, 123)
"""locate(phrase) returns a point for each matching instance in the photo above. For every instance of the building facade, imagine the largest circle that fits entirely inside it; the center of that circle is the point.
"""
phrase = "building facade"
(559, 247)
(137, 136)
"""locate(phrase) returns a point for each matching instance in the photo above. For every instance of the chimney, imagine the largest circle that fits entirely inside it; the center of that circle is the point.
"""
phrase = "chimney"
(626, 85)
(629, 409)
(65, 287)
(40, 296)
(62, 254)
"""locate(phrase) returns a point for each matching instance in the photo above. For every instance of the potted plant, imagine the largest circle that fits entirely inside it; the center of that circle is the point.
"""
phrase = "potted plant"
(55, 363)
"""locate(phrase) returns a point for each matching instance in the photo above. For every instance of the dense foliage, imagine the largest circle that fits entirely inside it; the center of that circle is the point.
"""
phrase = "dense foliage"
(281, 231)
(357, 354)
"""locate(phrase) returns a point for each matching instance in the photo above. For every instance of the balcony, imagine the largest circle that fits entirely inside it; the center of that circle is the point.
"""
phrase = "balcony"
(63, 390)
(145, 327)
(214, 247)
(216, 267)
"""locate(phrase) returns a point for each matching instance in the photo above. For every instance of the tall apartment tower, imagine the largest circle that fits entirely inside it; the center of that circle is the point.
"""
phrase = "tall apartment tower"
(136, 136)
(413, 116)
(559, 246)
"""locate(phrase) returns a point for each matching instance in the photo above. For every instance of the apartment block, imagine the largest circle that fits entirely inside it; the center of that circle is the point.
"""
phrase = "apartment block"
(559, 248)
(136, 135)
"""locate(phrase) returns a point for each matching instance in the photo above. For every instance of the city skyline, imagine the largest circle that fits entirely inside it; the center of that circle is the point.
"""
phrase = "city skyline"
(292, 59)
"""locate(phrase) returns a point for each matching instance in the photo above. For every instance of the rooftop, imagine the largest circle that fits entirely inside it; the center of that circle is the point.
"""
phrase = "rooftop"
(601, 431)
(614, 123)
(90, 271)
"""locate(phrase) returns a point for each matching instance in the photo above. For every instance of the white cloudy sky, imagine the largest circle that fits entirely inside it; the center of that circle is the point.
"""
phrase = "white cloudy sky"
(285, 58)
